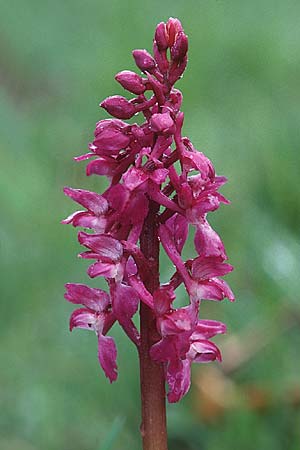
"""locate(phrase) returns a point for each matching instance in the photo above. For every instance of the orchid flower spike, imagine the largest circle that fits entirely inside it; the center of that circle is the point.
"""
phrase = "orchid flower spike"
(152, 169)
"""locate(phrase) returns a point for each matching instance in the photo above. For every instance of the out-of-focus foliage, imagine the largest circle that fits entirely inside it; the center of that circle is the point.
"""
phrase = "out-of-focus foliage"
(241, 103)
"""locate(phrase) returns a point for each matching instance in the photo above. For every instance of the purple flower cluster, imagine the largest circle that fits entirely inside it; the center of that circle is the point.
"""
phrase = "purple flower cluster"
(146, 163)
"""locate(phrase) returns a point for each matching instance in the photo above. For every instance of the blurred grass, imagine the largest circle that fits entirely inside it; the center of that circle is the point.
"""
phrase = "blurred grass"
(241, 103)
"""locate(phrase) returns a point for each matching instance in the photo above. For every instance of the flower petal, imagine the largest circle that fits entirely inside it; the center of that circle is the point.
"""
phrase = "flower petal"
(178, 228)
(94, 299)
(205, 329)
(108, 248)
(204, 351)
(86, 220)
(102, 166)
(213, 289)
(90, 200)
(110, 136)
(100, 269)
(83, 318)
(107, 355)
(210, 267)
(179, 379)
(166, 349)
(208, 242)
(163, 297)
(171, 347)
(125, 303)
(178, 321)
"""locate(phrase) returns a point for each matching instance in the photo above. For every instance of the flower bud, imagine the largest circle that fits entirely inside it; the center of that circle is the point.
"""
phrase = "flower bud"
(180, 47)
(118, 106)
(110, 136)
(173, 28)
(177, 70)
(131, 81)
(161, 36)
(162, 123)
(144, 60)
(161, 59)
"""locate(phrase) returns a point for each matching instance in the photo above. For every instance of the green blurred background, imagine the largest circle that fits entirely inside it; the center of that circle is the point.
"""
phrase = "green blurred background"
(241, 103)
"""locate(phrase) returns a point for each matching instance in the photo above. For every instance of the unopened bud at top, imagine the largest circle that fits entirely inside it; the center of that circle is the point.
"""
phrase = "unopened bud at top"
(180, 47)
(161, 36)
(144, 60)
(173, 28)
(118, 107)
(131, 81)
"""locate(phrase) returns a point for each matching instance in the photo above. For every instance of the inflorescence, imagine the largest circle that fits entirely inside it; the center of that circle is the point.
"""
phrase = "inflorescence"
(140, 162)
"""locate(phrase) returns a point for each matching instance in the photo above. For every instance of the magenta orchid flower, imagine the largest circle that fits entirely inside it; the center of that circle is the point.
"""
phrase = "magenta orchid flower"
(160, 187)
(97, 316)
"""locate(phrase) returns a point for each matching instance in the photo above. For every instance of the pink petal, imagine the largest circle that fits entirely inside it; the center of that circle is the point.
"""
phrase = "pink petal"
(83, 318)
(162, 123)
(173, 28)
(102, 166)
(110, 137)
(180, 47)
(227, 292)
(88, 255)
(107, 270)
(137, 208)
(107, 248)
(159, 176)
(134, 177)
(107, 355)
(94, 299)
(171, 347)
(88, 220)
(161, 36)
(202, 206)
(90, 200)
(178, 228)
(125, 303)
(177, 321)
(210, 267)
(164, 350)
(214, 289)
(185, 195)
(163, 298)
(179, 379)
(208, 242)
(72, 216)
(194, 160)
(131, 268)
(83, 157)
(206, 329)
(117, 196)
(125, 300)
(204, 351)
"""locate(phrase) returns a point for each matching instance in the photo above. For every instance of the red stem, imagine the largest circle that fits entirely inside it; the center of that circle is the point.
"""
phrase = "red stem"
(153, 428)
